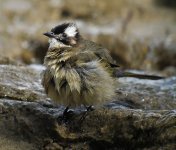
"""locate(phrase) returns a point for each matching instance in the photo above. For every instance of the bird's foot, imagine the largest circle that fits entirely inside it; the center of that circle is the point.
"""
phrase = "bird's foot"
(88, 109)
(67, 114)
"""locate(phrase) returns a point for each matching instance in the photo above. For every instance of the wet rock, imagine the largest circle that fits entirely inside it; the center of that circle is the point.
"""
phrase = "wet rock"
(21, 82)
(148, 95)
(101, 129)
(141, 116)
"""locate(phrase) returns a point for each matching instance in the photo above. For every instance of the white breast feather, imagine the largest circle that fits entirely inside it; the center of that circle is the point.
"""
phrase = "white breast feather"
(56, 44)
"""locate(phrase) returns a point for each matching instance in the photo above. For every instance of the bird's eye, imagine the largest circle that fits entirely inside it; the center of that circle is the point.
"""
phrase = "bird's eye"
(64, 35)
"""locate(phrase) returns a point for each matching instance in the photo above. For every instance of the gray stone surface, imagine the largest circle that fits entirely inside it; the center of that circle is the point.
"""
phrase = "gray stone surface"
(142, 116)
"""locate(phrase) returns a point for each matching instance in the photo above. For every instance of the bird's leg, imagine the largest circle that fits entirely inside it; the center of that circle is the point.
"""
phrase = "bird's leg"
(66, 111)
(88, 109)
(66, 114)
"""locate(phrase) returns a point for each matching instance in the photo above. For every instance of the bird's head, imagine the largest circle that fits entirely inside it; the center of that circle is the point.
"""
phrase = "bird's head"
(64, 35)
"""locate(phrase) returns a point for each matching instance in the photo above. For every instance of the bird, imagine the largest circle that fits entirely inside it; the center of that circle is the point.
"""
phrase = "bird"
(79, 71)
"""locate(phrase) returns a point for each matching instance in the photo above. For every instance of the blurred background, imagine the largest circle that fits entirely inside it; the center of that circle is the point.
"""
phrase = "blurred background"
(140, 34)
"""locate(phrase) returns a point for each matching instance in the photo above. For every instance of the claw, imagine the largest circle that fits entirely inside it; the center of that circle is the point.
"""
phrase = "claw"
(88, 109)
(66, 115)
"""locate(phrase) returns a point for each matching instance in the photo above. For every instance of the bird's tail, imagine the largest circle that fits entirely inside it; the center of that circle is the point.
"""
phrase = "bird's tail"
(121, 74)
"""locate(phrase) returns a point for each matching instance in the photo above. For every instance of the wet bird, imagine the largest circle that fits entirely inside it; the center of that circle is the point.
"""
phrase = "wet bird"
(79, 71)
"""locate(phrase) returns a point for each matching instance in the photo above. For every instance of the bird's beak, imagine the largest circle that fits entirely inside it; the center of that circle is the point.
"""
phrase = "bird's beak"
(49, 34)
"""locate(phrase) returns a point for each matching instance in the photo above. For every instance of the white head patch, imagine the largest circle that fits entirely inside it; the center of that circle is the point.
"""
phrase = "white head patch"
(56, 44)
(71, 30)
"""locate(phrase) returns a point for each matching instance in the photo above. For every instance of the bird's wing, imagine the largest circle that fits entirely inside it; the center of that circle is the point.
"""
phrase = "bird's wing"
(104, 55)
(100, 52)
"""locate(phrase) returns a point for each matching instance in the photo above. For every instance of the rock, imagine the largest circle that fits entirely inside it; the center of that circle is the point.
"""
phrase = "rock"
(142, 116)
(21, 83)
(101, 129)
(147, 94)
